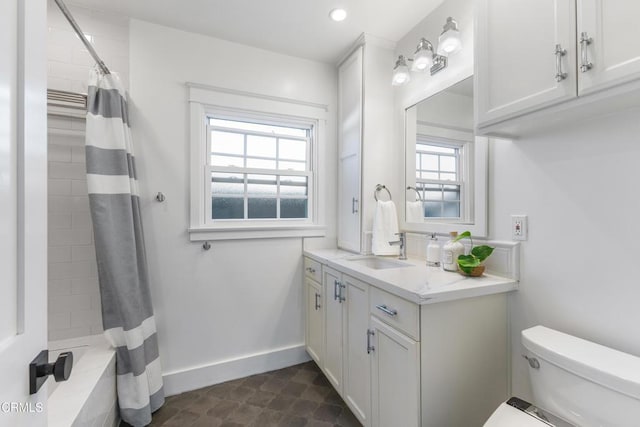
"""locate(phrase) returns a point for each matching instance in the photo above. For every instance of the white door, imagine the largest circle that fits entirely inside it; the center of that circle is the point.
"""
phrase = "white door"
(350, 142)
(517, 69)
(315, 319)
(333, 322)
(357, 375)
(23, 221)
(395, 378)
(613, 51)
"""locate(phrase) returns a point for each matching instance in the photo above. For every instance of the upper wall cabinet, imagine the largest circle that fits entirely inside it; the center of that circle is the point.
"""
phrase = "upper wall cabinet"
(608, 43)
(532, 55)
(525, 56)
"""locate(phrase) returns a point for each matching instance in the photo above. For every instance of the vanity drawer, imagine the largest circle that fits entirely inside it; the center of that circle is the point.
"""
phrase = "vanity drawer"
(397, 312)
(313, 269)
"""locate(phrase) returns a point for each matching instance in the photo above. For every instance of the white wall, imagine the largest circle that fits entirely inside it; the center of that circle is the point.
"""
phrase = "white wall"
(577, 185)
(74, 300)
(241, 297)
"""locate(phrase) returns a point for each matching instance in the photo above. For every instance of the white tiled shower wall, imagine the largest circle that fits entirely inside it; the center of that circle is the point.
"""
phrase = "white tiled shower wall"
(74, 300)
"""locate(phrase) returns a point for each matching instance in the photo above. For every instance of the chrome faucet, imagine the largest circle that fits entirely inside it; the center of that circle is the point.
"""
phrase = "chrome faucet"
(402, 239)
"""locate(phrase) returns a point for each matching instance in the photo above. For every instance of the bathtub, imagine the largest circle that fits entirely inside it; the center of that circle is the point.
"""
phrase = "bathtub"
(88, 397)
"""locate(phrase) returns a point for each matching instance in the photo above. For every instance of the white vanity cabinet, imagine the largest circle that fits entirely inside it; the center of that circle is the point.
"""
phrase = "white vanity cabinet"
(395, 360)
(532, 55)
(334, 314)
(346, 364)
(413, 363)
(314, 311)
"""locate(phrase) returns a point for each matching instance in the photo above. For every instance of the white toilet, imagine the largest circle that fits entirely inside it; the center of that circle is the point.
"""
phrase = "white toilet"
(575, 383)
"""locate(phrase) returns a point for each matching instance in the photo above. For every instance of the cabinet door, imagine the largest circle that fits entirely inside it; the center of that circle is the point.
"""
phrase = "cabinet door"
(333, 321)
(614, 51)
(349, 150)
(357, 376)
(516, 63)
(315, 321)
(395, 378)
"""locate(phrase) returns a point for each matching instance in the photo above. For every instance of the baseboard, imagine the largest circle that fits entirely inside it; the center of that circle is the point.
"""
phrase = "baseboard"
(177, 382)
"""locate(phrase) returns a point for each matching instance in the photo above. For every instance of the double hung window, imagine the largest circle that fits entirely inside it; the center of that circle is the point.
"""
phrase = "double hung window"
(258, 169)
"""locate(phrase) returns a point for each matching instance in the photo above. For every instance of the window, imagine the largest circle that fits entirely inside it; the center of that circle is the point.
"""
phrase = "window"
(258, 170)
(254, 165)
(439, 178)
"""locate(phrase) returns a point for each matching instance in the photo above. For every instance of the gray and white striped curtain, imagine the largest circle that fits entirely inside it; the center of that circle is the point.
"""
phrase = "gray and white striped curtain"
(127, 313)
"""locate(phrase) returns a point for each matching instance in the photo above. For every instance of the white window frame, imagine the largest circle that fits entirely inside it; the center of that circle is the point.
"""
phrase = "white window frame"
(462, 166)
(207, 101)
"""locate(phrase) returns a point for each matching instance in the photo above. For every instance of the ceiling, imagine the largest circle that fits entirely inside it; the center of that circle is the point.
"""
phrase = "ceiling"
(299, 28)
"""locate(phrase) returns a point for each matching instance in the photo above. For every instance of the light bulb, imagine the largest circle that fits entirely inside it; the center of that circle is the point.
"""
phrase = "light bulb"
(338, 14)
(449, 43)
(422, 60)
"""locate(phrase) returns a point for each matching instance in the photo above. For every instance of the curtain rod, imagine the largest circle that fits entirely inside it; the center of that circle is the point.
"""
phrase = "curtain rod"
(87, 44)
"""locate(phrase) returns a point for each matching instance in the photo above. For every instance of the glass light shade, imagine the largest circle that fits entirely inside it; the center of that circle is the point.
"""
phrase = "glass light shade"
(449, 42)
(422, 60)
(401, 75)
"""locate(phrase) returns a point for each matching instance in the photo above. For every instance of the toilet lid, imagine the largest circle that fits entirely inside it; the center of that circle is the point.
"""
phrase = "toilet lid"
(518, 412)
(508, 416)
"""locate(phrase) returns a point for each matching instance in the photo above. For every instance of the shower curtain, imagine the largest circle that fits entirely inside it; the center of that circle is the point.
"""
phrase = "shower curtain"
(127, 313)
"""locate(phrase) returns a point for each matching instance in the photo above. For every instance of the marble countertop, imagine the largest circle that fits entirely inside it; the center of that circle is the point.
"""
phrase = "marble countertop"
(415, 282)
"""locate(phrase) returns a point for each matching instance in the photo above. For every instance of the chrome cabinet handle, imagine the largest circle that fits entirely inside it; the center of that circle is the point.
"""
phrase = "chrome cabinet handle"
(585, 41)
(354, 205)
(310, 270)
(335, 290)
(559, 53)
(370, 347)
(317, 303)
(390, 311)
(341, 287)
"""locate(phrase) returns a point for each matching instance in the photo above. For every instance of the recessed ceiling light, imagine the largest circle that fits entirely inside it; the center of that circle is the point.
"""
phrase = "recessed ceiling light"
(338, 14)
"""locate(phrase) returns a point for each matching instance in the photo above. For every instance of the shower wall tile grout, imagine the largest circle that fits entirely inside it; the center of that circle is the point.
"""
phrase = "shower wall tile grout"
(74, 299)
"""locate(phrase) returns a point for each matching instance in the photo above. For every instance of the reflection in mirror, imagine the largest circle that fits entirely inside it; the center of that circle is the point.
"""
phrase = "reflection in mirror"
(440, 152)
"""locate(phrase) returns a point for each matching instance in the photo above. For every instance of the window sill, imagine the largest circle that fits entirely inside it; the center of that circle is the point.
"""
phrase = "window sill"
(200, 234)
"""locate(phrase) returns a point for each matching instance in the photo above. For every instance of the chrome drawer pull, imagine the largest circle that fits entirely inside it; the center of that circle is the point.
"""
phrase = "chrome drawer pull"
(370, 347)
(310, 270)
(390, 311)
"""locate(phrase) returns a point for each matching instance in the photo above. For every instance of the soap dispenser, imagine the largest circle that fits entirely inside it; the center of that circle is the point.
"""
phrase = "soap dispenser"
(433, 251)
(450, 253)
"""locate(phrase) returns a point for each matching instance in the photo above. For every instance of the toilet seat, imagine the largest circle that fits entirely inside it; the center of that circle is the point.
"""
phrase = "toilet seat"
(517, 412)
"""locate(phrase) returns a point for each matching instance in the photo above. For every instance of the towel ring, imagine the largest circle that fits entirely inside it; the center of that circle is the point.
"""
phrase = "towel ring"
(381, 187)
(417, 192)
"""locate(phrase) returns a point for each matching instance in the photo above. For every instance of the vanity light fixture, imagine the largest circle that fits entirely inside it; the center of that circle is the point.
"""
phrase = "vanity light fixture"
(449, 41)
(401, 73)
(338, 14)
(425, 58)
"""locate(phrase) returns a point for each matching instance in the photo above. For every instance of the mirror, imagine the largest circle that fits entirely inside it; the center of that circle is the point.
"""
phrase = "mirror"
(445, 165)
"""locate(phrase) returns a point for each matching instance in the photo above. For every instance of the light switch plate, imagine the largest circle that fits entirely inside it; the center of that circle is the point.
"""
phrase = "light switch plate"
(519, 227)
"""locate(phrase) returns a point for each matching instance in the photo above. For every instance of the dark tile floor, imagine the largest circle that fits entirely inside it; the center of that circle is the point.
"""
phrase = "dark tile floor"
(295, 396)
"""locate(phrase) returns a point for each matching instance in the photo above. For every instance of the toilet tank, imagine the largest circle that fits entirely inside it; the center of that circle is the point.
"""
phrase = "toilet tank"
(586, 384)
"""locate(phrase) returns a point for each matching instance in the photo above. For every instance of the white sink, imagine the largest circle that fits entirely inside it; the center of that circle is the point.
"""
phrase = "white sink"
(377, 263)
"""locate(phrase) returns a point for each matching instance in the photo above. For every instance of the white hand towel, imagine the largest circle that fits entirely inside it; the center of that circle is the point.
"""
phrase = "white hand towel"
(415, 212)
(385, 225)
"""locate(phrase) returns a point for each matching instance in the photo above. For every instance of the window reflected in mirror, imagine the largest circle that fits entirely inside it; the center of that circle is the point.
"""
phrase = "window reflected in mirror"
(440, 154)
